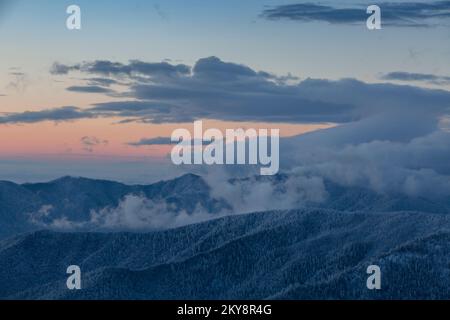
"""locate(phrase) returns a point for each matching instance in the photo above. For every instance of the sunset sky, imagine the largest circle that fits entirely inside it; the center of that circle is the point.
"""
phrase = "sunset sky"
(78, 102)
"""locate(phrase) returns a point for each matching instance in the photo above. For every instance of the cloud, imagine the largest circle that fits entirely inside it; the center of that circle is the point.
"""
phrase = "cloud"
(161, 141)
(89, 89)
(227, 91)
(136, 212)
(19, 83)
(134, 68)
(90, 143)
(140, 213)
(405, 154)
(133, 213)
(258, 194)
(213, 68)
(309, 101)
(152, 142)
(58, 114)
(230, 91)
(61, 69)
(103, 82)
(401, 14)
(39, 217)
(419, 77)
(392, 153)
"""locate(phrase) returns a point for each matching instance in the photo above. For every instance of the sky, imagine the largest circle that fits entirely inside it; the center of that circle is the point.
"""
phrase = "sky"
(89, 102)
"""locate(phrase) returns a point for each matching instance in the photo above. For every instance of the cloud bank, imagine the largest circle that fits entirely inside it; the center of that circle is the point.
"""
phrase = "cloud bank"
(214, 89)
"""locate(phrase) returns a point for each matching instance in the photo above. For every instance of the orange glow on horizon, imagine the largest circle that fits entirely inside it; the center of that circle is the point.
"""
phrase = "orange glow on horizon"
(64, 139)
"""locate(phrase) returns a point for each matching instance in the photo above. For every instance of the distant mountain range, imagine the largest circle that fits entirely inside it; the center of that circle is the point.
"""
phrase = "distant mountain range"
(30, 207)
(305, 253)
(75, 198)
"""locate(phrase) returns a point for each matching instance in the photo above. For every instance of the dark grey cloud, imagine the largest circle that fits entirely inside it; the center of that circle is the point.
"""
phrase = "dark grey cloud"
(89, 89)
(133, 68)
(214, 69)
(144, 111)
(228, 91)
(132, 108)
(57, 114)
(159, 141)
(163, 141)
(407, 14)
(61, 69)
(102, 82)
(420, 77)
(215, 103)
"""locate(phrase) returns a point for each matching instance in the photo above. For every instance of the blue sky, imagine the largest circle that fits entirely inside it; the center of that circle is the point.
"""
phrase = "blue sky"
(231, 30)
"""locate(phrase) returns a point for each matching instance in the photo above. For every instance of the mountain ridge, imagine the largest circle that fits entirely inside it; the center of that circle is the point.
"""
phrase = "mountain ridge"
(30, 207)
(217, 259)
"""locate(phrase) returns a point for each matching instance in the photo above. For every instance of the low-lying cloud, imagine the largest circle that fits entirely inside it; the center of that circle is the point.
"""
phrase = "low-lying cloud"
(136, 212)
